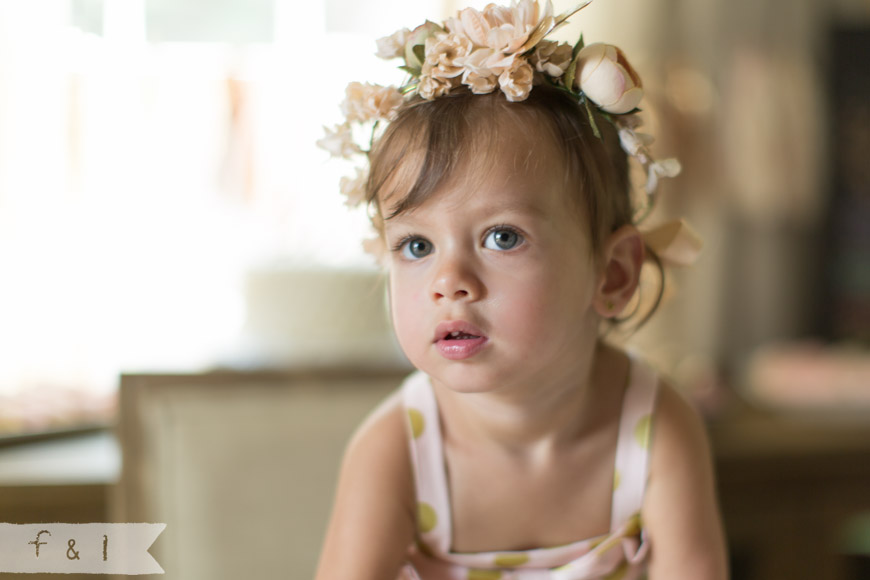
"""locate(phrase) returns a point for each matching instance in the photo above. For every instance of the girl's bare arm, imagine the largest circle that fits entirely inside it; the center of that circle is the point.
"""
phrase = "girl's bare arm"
(681, 513)
(372, 523)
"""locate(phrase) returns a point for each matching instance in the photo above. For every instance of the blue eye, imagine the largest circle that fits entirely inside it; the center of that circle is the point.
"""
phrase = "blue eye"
(416, 248)
(502, 239)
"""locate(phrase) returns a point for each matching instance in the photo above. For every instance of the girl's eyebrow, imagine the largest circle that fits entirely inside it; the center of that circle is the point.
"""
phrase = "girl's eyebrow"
(526, 207)
(530, 207)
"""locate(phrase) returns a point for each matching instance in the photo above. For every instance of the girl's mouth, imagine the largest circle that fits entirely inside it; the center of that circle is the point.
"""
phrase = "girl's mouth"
(458, 340)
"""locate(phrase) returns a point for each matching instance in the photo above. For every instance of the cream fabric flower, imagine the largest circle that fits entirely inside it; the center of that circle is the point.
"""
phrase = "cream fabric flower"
(472, 24)
(480, 74)
(552, 58)
(516, 82)
(432, 87)
(497, 36)
(442, 53)
(540, 24)
(503, 29)
(519, 24)
(479, 84)
(368, 102)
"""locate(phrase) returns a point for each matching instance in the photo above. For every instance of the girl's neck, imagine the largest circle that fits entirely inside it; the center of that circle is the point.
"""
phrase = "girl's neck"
(540, 420)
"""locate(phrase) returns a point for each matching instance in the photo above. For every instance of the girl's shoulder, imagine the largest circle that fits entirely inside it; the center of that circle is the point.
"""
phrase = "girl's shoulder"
(372, 523)
(680, 448)
(679, 431)
(680, 510)
(380, 439)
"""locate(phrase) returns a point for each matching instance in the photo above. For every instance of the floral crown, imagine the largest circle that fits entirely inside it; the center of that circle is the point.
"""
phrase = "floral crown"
(506, 48)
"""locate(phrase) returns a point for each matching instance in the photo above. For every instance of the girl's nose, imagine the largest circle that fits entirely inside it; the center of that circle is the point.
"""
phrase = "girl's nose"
(456, 279)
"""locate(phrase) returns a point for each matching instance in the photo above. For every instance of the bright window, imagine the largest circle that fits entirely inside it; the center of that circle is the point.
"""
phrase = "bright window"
(151, 152)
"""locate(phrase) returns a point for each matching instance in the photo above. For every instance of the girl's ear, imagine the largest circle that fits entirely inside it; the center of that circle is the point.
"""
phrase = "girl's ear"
(622, 258)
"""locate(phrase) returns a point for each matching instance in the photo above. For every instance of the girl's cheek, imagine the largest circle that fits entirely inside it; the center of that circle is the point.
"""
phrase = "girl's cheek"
(404, 296)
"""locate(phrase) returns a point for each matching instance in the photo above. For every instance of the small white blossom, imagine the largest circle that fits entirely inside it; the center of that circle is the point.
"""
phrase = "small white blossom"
(634, 143)
(659, 169)
(368, 102)
(393, 46)
(354, 188)
(339, 141)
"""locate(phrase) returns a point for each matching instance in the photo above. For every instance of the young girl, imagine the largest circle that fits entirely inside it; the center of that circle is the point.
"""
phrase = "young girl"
(524, 447)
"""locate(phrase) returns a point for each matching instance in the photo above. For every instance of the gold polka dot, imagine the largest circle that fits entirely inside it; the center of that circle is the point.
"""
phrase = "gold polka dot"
(483, 575)
(511, 560)
(634, 525)
(417, 422)
(619, 573)
(426, 518)
(424, 548)
(617, 479)
(641, 431)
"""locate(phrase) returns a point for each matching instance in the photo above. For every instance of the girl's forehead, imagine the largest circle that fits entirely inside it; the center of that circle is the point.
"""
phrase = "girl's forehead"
(496, 154)
(510, 179)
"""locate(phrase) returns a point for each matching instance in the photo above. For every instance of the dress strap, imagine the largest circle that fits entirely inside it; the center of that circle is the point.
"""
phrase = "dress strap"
(427, 457)
(633, 445)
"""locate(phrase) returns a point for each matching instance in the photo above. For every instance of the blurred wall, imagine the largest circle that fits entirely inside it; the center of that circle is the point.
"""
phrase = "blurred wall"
(739, 91)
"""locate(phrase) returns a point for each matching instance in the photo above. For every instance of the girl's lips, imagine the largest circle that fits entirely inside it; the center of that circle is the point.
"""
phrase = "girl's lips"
(471, 339)
(460, 348)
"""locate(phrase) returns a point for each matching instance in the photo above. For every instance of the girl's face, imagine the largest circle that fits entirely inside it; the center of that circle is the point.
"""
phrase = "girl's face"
(492, 279)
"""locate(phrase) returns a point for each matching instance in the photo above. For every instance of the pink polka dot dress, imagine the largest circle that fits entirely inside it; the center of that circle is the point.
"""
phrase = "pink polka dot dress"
(620, 554)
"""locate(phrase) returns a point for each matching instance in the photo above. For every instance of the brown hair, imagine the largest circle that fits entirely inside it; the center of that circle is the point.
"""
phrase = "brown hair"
(430, 140)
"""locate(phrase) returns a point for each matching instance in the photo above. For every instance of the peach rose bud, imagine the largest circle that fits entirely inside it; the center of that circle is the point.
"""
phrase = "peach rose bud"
(606, 78)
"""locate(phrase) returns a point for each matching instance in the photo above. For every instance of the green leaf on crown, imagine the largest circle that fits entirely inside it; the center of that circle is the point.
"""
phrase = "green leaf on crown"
(569, 74)
(578, 47)
(420, 52)
(592, 122)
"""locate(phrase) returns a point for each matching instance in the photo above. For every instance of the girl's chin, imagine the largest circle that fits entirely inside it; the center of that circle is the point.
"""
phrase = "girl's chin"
(468, 378)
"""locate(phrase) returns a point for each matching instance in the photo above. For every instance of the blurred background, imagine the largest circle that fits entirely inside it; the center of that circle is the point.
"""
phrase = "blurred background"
(165, 215)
